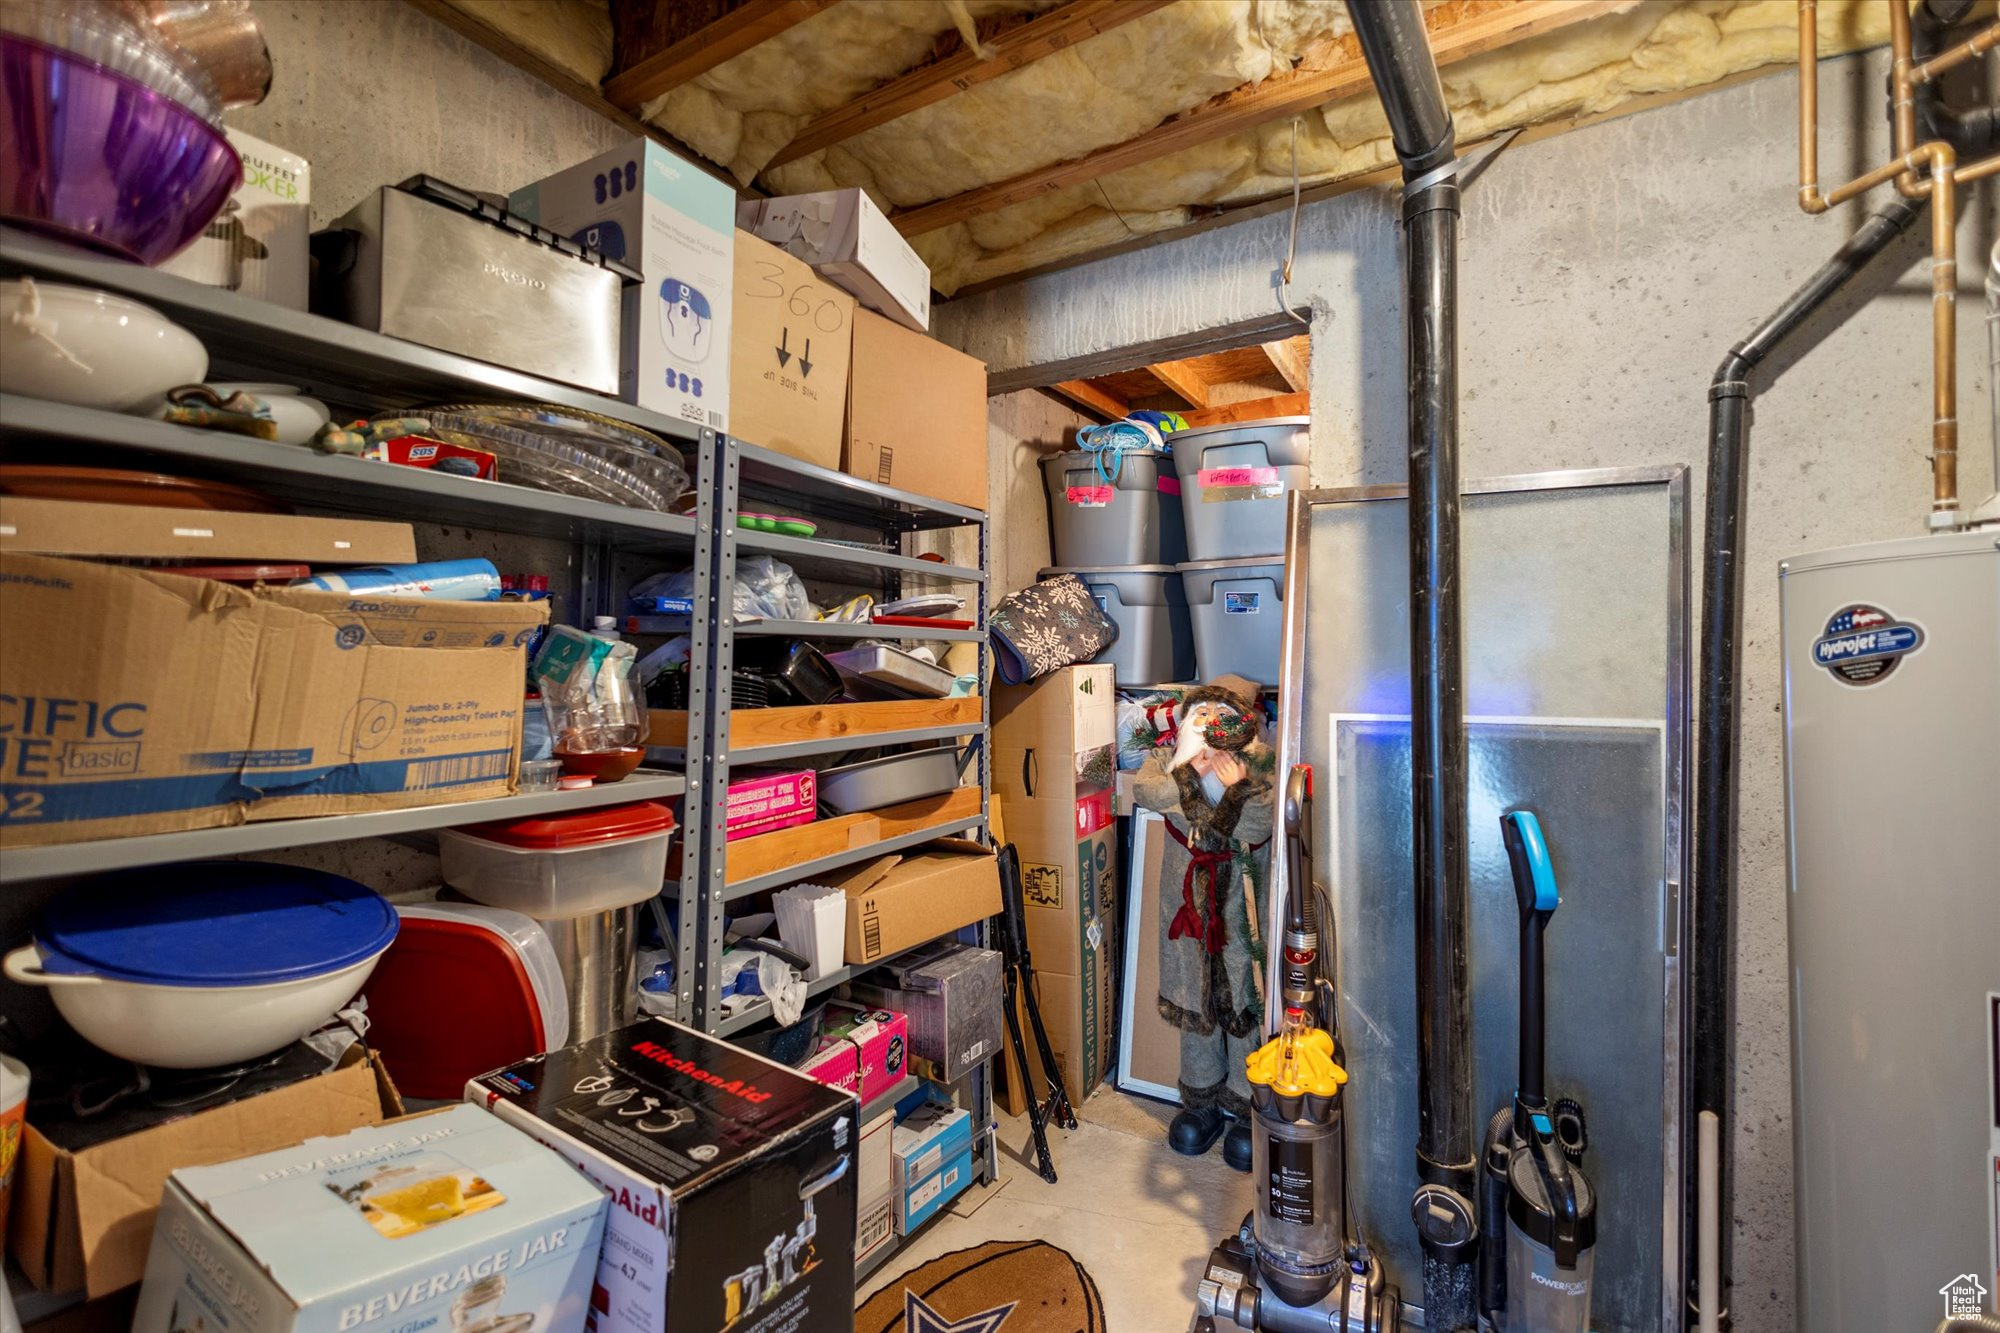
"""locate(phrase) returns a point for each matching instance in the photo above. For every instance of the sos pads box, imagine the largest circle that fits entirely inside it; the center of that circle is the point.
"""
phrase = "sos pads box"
(731, 1178)
(676, 224)
(446, 1221)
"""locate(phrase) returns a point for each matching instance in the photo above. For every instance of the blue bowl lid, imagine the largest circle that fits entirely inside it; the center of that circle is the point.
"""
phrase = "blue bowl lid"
(214, 923)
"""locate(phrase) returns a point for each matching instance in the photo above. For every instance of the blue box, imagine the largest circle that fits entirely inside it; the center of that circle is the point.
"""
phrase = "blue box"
(934, 1191)
(925, 1139)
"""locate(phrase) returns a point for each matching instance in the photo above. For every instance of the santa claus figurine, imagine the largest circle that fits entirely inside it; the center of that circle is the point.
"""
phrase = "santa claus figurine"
(1216, 790)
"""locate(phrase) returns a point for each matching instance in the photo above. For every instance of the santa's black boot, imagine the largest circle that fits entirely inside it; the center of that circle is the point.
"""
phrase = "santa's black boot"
(1195, 1130)
(1236, 1145)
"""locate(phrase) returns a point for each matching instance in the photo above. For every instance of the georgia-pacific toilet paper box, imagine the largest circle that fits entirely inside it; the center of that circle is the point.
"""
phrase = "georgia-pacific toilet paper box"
(676, 224)
(444, 1223)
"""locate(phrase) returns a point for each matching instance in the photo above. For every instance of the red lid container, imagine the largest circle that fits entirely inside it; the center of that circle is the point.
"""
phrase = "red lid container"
(585, 828)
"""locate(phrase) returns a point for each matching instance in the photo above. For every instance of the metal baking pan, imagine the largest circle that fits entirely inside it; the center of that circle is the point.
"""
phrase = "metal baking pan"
(874, 783)
(883, 665)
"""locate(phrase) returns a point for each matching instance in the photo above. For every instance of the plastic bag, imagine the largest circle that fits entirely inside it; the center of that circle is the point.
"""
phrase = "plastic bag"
(656, 982)
(765, 589)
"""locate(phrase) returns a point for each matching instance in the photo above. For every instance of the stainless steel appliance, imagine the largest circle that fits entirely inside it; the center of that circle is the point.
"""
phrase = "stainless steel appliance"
(599, 969)
(447, 268)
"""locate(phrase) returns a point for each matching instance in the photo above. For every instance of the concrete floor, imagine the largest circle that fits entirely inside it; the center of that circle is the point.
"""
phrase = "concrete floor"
(1138, 1216)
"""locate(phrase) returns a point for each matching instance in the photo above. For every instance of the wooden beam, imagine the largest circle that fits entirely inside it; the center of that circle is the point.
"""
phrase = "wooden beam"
(481, 33)
(1255, 409)
(1458, 29)
(1183, 378)
(1088, 395)
(689, 57)
(1292, 358)
(1010, 49)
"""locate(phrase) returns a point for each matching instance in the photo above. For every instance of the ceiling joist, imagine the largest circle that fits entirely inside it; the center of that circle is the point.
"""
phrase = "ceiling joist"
(659, 51)
(1458, 29)
(1093, 399)
(1253, 409)
(1183, 378)
(1008, 49)
(1292, 359)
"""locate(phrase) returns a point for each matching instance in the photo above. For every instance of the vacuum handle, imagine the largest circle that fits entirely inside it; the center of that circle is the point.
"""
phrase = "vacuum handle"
(1535, 891)
(1528, 855)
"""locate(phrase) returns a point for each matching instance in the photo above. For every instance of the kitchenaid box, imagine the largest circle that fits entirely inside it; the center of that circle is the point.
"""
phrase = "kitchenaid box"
(448, 1220)
(145, 702)
(641, 205)
(731, 1179)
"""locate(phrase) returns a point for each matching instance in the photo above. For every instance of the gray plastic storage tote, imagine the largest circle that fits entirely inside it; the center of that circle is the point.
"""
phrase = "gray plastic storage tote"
(1134, 519)
(1238, 611)
(1234, 483)
(1155, 642)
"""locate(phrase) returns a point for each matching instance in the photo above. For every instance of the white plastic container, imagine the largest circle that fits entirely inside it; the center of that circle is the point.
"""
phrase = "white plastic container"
(565, 866)
(812, 923)
(1237, 609)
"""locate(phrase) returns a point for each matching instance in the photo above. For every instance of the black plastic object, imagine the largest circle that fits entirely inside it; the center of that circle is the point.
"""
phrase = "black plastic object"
(807, 674)
(787, 1044)
(1571, 1131)
(1018, 986)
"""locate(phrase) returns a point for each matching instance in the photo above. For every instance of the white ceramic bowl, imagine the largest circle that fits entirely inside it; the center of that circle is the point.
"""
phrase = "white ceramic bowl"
(190, 1027)
(90, 348)
(299, 417)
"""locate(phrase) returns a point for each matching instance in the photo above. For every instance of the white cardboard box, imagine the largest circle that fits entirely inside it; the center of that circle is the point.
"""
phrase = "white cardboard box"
(848, 242)
(676, 224)
(258, 245)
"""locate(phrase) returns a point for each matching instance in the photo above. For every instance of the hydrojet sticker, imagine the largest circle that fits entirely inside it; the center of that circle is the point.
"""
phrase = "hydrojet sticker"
(1242, 603)
(1863, 644)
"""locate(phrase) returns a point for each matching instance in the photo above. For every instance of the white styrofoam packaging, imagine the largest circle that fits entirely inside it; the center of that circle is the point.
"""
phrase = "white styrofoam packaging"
(675, 223)
(450, 1221)
(849, 242)
(258, 244)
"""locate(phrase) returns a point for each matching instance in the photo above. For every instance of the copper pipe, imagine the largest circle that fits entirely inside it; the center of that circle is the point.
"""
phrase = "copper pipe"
(1970, 49)
(1903, 98)
(1984, 167)
(1809, 197)
(1944, 333)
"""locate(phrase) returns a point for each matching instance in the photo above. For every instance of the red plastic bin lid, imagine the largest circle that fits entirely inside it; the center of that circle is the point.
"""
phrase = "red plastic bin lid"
(581, 829)
(449, 1001)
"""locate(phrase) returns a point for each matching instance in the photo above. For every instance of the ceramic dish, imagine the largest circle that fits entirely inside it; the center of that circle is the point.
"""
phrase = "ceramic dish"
(90, 348)
(299, 417)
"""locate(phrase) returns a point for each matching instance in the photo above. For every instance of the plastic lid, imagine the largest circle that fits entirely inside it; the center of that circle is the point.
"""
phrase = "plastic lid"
(214, 923)
(581, 829)
(1107, 569)
(1528, 1203)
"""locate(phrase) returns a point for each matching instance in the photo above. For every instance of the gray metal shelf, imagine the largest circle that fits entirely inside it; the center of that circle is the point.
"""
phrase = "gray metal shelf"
(20, 864)
(827, 493)
(809, 629)
(867, 740)
(876, 1105)
(813, 556)
(248, 339)
(852, 856)
(351, 485)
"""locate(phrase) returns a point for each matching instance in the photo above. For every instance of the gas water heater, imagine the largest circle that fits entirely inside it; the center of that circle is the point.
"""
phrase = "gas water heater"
(1892, 765)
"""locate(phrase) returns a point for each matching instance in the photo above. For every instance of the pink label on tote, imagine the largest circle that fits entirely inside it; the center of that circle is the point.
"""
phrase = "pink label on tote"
(1094, 497)
(1237, 476)
(1169, 485)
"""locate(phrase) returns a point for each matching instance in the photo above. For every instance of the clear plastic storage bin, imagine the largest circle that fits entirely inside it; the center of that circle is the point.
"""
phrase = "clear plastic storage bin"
(564, 866)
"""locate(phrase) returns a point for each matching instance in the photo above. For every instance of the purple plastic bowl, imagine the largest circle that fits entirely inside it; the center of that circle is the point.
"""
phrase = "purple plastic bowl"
(97, 158)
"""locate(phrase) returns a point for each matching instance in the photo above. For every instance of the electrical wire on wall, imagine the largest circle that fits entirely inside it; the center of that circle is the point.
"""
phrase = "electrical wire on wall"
(1291, 238)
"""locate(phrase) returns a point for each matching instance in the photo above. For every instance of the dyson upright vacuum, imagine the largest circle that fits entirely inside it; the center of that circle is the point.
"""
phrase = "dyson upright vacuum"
(1292, 1268)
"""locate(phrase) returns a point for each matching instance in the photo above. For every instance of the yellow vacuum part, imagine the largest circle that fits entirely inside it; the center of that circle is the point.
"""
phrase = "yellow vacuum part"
(1292, 1064)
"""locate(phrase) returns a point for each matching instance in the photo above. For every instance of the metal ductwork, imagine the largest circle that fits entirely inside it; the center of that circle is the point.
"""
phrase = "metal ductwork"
(1394, 43)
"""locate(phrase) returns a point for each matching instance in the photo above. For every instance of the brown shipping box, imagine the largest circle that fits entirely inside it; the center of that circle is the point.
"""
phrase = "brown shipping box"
(82, 1221)
(133, 701)
(897, 902)
(916, 413)
(791, 334)
(1056, 736)
(66, 527)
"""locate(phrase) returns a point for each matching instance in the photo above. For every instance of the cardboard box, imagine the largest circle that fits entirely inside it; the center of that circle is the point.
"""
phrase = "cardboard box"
(925, 1139)
(69, 527)
(875, 1222)
(951, 994)
(916, 414)
(139, 702)
(1056, 736)
(259, 244)
(849, 242)
(1082, 1025)
(676, 224)
(880, 1039)
(762, 799)
(733, 1179)
(447, 1219)
(87, 1190)
(897, 902)
(791, 336)
(875, 1225)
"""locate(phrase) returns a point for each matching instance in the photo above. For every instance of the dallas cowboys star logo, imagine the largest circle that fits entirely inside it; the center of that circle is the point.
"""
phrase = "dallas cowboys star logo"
(920, 1318)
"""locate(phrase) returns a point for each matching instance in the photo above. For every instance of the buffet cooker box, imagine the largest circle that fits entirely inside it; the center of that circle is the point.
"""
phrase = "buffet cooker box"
(146, 702)
(88, 1186)
(258, 245)
(931, 1160)
(147, 532)
(897, 902)
(790, 339)
(452, 1218)
(676, 224)
(732, 1179)
(851, 243)
(951, 995)
(916, 414)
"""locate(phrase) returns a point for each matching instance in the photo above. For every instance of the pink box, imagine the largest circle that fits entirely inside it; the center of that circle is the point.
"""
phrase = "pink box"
(837, 1064)
(881, 1039)
(764, 799)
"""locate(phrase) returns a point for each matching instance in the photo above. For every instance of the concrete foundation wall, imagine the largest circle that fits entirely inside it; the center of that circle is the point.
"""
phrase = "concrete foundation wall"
(1605, 272)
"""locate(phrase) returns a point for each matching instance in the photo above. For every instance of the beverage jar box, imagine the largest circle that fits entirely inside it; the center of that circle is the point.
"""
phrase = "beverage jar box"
(451, 1220)
(732, 1178)
(951, 995)
(643, 206)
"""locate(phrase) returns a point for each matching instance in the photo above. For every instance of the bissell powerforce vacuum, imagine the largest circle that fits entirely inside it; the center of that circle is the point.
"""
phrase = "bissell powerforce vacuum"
(1532, 1190)
(1292, 1268)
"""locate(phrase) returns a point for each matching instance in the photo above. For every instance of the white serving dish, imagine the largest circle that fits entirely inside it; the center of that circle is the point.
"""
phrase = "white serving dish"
(190, 1027)
(90, 348)
(298, 417)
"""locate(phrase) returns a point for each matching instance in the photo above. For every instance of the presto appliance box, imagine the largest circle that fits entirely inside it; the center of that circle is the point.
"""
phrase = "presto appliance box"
(732, 1178)
(850, 242)
(259, 244)
(448, 1220)
(676, 224)
(144, 702)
